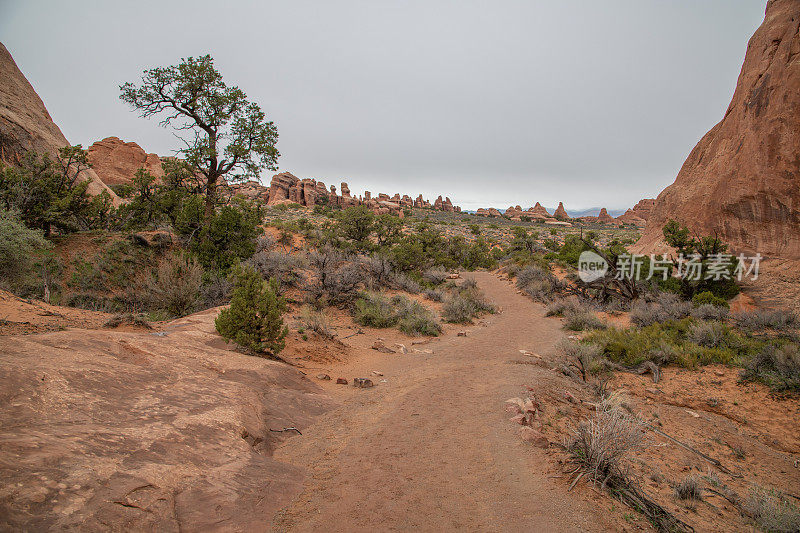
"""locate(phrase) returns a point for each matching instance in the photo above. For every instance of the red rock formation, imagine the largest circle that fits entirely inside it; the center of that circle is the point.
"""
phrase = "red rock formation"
(25, 124)
(540, 211)
(643, 208)
(561, 213)
(280, 186)
(741, 180)
(116, 161)
(629, 217)
(604, 217)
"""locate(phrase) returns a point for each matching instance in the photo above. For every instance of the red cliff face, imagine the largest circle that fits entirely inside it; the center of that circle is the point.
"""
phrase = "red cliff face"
(25, 124)
(742, 180)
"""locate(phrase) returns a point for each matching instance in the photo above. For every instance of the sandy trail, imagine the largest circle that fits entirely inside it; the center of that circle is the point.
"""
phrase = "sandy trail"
(432, 449)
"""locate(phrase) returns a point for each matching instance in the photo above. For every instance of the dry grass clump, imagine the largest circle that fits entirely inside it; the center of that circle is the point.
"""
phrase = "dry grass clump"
(706, 334)
(600, 443)
(316, 321)
(378, 311)
(562, 306)
(175, 288)
(434, 295)
(689, 490)
(772, 511)
(777, 366)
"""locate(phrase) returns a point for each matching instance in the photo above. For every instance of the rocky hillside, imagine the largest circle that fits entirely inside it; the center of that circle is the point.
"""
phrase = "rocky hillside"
(742, 180)
(117, 161)
(26, 125)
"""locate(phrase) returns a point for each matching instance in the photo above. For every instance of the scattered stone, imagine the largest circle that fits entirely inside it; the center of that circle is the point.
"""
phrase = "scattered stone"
(376, 373)
(401, 348)
(570, 398)
(417, 350)
(652, 391)
(695, 415)
(530, 354)
(519, 419)
(381, 347)
(535, 437)
(462, 333)
(341, 381)
(384, 381)
(362, 383)
(324, 377)
(454, 276)
(720, 373)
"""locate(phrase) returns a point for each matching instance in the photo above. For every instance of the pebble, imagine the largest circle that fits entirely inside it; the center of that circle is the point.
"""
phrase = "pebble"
(324, 377)
(341, 381)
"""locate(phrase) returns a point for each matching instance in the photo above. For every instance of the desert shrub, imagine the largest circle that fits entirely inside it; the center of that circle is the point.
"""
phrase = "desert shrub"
(776, 366)
(601, 442)
(464, 303)
(562, 306)
(537, 283)
(376, 311)
(666, 307)
(710, 312)
(772, 511)
(776, 319)
(434, 277)
(689, 489)
(316, 321)
(378, 270)
(254, 319)
(216, 290)
(582, 320)
(707, 334)
(18, 246)
(337, 277)
(434, 295)
(708, 298)
(587, 356)
(415, 318)
(175, 287)
(406, 283)
(279, 265)
(230, 236)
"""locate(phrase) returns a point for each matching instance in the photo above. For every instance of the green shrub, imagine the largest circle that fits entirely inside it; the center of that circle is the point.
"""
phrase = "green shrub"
(254, 319)
(376, 311)
(707, 297)
(230, 236)
(538, 283)
(776, 366)
(775, 319)
(464, 303)
(18, 247)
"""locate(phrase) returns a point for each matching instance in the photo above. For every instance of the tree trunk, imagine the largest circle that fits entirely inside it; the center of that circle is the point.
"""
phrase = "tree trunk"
(211, 198)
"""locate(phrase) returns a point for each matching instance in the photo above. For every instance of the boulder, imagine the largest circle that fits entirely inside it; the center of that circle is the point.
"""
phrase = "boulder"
(741, 180)
(116, 161)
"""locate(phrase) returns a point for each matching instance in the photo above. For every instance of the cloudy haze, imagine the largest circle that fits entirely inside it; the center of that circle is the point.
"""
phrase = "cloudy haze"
(593, 103)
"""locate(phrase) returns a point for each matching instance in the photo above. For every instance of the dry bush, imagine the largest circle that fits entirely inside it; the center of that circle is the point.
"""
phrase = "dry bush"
(710, 312)
(538, 283)
(777, 366)
(402, 282)
(601, 442)
(175, 288)
(378, 270)
(587, 358)
(772, 511)
(337, 278)
(216, 291)
(776, 319)
(582, 320)
(706, 334)
(279, 265)
(562, 306)
(436, 277)
(466, 302)
(666, 307)
(434, 295)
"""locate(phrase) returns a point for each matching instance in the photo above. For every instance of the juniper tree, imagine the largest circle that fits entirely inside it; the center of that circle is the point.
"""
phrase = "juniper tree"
(225, 135)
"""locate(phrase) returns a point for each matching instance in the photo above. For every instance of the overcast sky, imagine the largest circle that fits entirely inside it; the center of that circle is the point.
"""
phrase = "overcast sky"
(594, 103)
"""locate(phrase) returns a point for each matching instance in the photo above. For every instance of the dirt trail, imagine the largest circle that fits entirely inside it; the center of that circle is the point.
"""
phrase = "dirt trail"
(432, 449)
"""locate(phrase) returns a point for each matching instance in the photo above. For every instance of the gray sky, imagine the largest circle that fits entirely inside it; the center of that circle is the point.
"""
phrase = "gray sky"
(492, 103)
